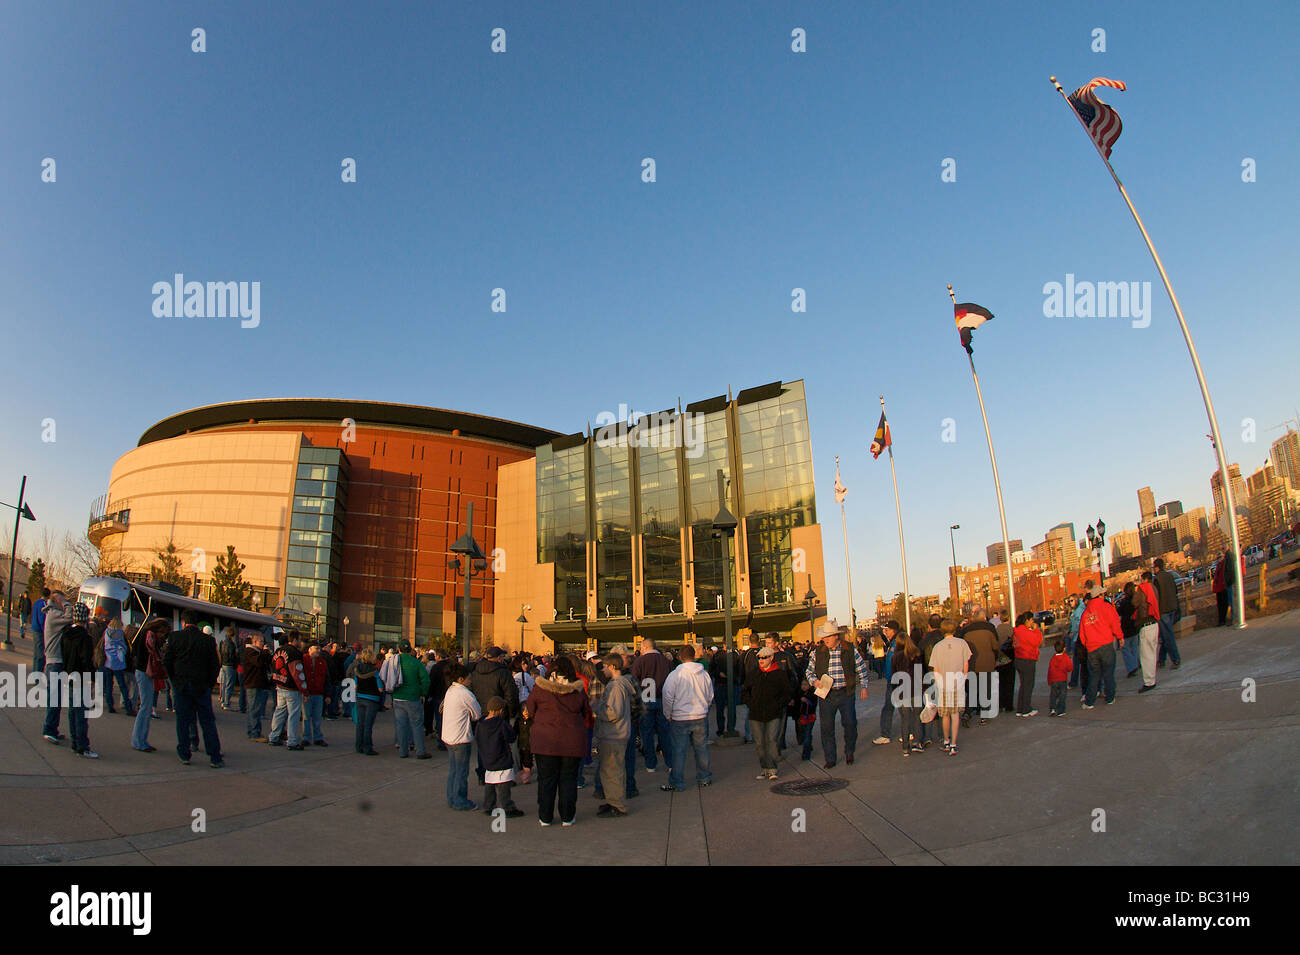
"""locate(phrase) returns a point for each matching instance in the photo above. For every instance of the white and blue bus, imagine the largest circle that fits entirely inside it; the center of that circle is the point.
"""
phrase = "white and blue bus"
(111, 597)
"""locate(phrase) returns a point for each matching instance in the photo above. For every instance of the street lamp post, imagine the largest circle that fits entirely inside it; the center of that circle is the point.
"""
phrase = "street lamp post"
(522, 621)
(810, 598)
(724, 526)
(1097, 541)
(473, 555)
(956, 592)
(22, 511)
(346, 621)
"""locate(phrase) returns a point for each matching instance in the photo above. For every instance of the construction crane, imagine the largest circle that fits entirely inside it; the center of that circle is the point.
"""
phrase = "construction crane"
(1288, 422)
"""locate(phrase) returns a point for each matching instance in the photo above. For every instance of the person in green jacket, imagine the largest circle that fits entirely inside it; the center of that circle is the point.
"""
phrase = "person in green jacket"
(408, 703)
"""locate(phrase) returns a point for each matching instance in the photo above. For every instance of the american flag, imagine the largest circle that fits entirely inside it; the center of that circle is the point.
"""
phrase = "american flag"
(1102, 121)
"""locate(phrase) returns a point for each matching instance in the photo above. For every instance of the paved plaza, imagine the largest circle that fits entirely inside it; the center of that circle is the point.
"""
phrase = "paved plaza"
(1188, 774)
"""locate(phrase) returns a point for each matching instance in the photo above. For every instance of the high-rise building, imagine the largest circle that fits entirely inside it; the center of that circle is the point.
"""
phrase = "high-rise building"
(1146, 503)
(1270, 505)
(1125, 543)
(995, 552)
(1238, 490)
(1192, 529)
(1171, 510)
(1285, 455)
(1058, 548)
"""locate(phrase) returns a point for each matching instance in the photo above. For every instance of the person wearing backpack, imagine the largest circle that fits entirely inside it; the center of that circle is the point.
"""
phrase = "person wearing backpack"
(112, 647)
(146, 660)
(290, 684)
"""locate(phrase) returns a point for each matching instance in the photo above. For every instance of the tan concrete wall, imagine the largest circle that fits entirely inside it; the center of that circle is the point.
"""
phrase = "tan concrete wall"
(522, 580)
(207, 491)
(809, 539)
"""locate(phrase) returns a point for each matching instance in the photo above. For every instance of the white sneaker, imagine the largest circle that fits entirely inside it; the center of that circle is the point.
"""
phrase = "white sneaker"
(89, 754)
(772, 776)
(761, 776)
(566, 825)
(881, 741)
(650, 771)
(1032, 713)
(543, 824)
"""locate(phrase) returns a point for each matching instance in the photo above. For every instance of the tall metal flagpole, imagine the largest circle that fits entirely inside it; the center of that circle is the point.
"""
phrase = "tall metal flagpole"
(1239, 603)
(997, 483)
(848, 574)
(902, 549)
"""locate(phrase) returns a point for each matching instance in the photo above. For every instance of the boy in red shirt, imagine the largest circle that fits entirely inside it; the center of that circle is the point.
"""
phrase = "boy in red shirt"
(1058, 673)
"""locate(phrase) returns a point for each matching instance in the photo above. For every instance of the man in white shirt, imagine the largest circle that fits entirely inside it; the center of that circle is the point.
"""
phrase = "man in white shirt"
(950, 662)
(459, 711)
(687, 696)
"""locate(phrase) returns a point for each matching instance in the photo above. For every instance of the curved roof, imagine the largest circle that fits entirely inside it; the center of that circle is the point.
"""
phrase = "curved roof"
(336, 409)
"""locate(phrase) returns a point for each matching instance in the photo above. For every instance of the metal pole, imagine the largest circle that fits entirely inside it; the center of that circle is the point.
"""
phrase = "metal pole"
(812, 624)
(997, 483)
(1239, 604)
(9, 644)
(848, 574)
(726, 604)
(907, 602)
(469, 563)
(956, 594)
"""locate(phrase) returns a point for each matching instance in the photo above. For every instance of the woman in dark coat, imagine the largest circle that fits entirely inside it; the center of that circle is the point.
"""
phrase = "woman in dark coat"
(559, 713)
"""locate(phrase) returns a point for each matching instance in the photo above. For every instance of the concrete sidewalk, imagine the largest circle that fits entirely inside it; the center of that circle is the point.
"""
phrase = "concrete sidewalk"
(1188, 774)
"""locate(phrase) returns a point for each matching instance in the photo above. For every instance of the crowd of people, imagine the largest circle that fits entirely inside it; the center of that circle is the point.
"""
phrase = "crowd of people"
(546, 719)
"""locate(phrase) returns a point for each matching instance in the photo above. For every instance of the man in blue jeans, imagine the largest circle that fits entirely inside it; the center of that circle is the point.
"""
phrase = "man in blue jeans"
(1099, 630)
(192, 666)
(460, 710)
(649, 671)
(688, 693)
(1170, 611)
(290, 684)
(58, 616)
(846, 674)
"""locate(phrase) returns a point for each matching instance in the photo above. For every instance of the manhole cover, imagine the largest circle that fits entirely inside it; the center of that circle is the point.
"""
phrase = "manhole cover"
(809, 787)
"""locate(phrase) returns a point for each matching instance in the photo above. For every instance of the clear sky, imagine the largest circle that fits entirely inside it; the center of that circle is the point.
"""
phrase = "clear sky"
(775, 170)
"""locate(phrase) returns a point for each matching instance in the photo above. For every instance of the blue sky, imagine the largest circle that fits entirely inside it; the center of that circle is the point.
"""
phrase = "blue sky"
(775, 170)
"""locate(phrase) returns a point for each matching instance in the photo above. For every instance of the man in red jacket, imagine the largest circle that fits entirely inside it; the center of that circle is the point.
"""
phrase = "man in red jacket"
(1099, 631)
(316, 672)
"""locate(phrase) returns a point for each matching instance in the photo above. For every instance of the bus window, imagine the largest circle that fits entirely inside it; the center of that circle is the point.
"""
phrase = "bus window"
(110, 607)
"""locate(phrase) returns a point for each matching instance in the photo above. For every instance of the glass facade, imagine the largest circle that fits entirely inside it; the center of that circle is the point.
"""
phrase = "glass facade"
(316, 535)
(651, 494)
(712, 453)
(388, 616)
(612, 502)
(475, 619)
(562, 524)
(776, 477)
(428, 617)
(661, 520)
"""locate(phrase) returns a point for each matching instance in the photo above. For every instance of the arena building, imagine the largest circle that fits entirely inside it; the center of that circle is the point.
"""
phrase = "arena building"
(346, 512)
(338, 508)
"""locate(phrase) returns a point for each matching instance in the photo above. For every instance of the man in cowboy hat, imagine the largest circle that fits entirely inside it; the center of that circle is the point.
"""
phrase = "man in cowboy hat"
(846, 671)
